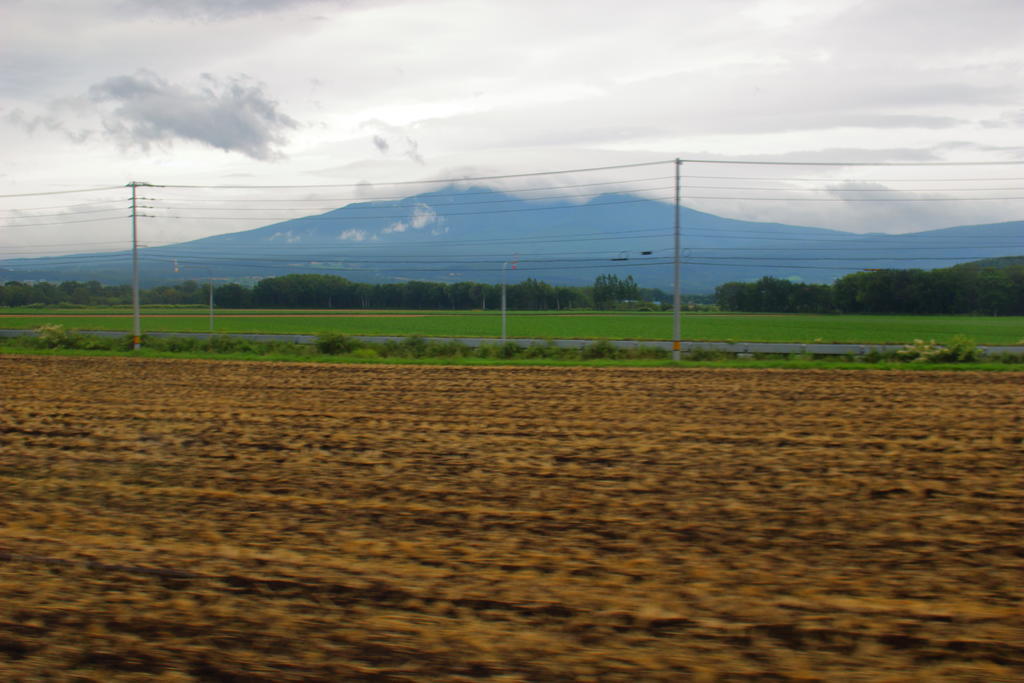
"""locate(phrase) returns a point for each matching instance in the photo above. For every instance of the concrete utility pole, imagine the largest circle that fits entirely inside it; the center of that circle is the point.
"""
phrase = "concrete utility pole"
(136, 315)
(504, 325)
(210, 278)
(676, 298)
(504, 308)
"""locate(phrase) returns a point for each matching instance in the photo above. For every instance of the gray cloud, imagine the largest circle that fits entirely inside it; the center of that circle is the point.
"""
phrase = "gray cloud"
(31, 124)
(234, 115)
(1008, 119)
(390, 137)
(214, 10)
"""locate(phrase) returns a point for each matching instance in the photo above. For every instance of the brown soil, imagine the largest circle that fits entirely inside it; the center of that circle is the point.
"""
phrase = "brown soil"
(285, 522)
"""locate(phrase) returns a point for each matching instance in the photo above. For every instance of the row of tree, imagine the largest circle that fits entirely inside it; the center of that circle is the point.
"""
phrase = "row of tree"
(332, 291)
(963, 289)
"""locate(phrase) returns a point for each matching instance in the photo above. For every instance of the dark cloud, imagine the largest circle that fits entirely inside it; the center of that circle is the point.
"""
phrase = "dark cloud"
(232, 114)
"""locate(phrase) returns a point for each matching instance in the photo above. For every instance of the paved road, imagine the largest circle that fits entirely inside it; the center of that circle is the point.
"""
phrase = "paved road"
(736, 347)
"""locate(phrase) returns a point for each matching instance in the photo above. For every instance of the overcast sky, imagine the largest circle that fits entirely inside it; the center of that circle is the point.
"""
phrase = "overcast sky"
(302, 92)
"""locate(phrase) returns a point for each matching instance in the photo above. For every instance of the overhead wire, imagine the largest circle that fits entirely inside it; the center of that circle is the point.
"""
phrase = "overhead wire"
(445, 215)
(376, 206)
(459, 179)
(458, 193)
(160, 204)
(54, 192)
(60, 223)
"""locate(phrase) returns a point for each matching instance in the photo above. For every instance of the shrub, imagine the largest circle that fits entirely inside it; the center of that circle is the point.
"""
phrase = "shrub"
(289, 348)
(413, 347)
(226, 344)
(960, 349)
(701, 353)
(334, 343)
(508, 349)
(446, 349)
(174, 344)
(55, 337)
(647, 352)
(547, 350)
(599, 349)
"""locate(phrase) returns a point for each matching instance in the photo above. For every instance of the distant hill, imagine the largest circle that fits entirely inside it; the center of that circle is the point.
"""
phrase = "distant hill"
(998, 262)
(468, 234)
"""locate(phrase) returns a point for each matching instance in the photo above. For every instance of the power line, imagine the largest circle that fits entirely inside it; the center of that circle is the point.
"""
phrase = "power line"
(40, 194)
(75, 206)
(462, 179)
(407, 216)
(66, 213)
(855, 199)
(457, 193)
(377, 205)
(856, 189)
(853, 163)
(853, 180)
(50, 225)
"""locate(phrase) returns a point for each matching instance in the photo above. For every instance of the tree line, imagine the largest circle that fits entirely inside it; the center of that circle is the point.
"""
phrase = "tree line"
(332, 291)
(963, 289)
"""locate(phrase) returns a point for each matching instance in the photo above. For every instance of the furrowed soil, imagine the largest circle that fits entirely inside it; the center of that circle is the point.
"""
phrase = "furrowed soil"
(179, 520)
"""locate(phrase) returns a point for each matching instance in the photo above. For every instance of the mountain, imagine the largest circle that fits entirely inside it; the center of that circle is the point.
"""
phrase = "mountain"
(998, 263)
(476, 233)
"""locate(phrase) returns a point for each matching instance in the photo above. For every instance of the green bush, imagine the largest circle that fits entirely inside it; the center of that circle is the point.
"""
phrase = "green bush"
(414, 346)
(55, 337)
(960, 349)
(287, 348)
(599, 349)
(548, 350)
(227, 344)
(702, 354)
(173, 344)
(646, 352)
(505, 350)
(446, 349)
(335, 344)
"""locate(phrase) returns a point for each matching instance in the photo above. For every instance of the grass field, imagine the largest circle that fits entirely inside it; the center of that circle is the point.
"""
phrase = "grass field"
(197, 520)
(645, 326)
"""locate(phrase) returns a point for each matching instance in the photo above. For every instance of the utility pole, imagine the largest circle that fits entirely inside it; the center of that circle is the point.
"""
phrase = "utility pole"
(504, 308)
(211, 304)
(136, 316)
(504, 325)
(210, 279)
(676, 298)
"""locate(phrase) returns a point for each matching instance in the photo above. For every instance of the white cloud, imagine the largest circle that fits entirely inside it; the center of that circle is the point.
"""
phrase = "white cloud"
(353, 235)
(287, 236)
(358, 91)
(423, 216)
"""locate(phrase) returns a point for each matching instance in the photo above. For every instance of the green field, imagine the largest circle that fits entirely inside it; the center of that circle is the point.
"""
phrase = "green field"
(545, 325)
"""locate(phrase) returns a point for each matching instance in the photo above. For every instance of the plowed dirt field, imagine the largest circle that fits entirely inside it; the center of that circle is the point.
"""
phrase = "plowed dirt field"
(178, 520)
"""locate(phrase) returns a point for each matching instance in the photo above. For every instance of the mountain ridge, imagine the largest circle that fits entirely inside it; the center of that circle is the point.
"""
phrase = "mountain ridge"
(475, 233)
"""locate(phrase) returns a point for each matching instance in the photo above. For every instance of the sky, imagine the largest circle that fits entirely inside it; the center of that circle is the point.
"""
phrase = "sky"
(358, 94)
